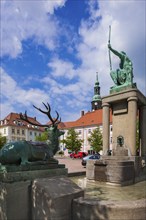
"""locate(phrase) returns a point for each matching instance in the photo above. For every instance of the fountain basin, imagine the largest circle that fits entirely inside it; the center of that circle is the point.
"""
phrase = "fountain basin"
(108, 202)
(94, 209)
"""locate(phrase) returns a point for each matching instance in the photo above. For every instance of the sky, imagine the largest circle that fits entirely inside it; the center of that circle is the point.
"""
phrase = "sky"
(50, 51)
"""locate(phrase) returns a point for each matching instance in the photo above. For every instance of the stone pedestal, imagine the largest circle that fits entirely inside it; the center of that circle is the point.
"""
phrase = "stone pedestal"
(118, 169)
(127, 107)
(90, 170)
(120, 172)
(101, 171)
(3, 213)
(15, 188)
(52, 198)
(114, 171)
(120, 151)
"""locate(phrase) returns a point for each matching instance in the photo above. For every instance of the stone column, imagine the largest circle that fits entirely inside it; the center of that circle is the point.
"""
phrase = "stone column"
(132, 113)
(106, 127)
(142, 130)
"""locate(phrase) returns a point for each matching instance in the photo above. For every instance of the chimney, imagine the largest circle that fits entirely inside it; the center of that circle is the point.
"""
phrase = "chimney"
(82, 113)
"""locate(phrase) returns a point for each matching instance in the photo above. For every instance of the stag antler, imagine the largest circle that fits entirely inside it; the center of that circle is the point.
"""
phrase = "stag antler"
(54, 121)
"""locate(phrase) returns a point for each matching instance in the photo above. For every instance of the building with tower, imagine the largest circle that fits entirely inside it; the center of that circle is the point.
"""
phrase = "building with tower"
(15, 129)
(87, 122)
(96, 102)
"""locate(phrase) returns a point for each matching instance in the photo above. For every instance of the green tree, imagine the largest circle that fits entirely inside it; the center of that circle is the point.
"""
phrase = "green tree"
(72, 141)
(95, 139)
(43, 137)
(3, 140)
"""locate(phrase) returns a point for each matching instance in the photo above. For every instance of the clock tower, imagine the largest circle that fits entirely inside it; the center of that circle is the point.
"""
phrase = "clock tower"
(96, 100)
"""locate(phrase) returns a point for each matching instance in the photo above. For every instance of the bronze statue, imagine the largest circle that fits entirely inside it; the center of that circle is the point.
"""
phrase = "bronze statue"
(123, 75)
(28, 152)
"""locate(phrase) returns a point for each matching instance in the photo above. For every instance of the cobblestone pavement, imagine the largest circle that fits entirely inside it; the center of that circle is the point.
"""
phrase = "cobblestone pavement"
(73, 165)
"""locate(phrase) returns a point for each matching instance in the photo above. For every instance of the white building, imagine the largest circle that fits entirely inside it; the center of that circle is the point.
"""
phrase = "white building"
(15, 129)
(84, 126)
(87, 122)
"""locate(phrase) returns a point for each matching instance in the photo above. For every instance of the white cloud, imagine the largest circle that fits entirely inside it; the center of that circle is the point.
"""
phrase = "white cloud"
(21, 20)
(93, 52)
(13, 96)
(128, 34)
(61, 68)
(24, 19)
(5, 109)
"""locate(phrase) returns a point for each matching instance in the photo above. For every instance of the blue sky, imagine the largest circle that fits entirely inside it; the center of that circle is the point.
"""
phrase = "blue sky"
(52, 49)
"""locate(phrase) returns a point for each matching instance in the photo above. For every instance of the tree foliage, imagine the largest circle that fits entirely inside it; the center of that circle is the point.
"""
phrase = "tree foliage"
(95, 139)
(3, 140)
(72, 141)
(43, 137)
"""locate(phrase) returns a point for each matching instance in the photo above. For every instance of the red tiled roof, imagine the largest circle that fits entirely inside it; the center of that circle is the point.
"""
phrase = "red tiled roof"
(93, 118)
(10, 120)
(88, 119)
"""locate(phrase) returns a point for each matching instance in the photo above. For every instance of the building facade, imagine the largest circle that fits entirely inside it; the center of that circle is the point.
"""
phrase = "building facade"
(15, 129)
(87, 122)
(84, 127)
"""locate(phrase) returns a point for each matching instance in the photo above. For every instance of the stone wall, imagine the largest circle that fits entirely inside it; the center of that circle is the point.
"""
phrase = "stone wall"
(85, 209)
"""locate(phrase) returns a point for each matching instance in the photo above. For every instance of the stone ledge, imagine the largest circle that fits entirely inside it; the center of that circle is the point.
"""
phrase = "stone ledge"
(85, 209)
(9, 177)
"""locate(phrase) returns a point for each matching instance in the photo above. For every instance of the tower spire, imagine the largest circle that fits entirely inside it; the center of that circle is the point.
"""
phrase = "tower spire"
(97, 76)
(96, 100)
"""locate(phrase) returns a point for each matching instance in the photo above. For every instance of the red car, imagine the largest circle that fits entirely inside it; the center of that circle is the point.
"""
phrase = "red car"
(78, 155)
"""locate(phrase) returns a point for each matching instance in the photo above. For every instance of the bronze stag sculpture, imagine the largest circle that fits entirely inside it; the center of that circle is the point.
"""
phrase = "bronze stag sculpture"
(28, 152)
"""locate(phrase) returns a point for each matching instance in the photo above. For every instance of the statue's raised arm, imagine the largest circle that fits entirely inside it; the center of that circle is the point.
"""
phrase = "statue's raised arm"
(114, 51)
(123, 75)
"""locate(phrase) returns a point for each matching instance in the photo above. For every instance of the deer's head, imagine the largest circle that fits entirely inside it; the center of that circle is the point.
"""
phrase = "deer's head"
(51, 126)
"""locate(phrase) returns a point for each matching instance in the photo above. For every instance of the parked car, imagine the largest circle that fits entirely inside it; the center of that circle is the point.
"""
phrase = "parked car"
(90, 157)
(78, 155)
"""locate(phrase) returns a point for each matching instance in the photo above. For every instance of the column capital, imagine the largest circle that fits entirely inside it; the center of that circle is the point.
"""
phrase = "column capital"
(105, 104)
(133, 98)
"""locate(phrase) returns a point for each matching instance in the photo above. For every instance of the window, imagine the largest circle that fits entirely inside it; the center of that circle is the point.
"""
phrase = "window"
(4, 130)
(79, 132)
(18, 131)
(19, 123)
(89, 131)
(30, 133)
(35, 134)
(23, 132)
(111, 128)
(13, 131)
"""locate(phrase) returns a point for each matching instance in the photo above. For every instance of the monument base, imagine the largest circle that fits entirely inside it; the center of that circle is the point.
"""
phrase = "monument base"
(52, 198)
(16, 187)
(115, 89)
(118, 170)
(12, 173)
